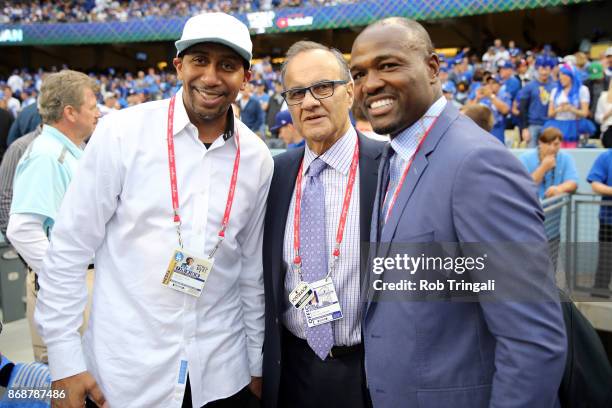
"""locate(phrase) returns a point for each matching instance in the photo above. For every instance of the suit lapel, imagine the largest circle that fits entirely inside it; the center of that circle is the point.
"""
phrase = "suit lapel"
(368, 168)
(285, 185)
(419, 165)
(417, 169)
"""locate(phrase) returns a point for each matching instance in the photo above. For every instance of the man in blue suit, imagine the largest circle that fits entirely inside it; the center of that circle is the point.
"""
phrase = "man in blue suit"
(444, 180)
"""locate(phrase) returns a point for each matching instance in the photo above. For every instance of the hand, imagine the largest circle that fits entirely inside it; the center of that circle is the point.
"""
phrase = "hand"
(255, 386)
(549, 161)
(525, 135)
(76, 388)
(486, 91)
(552, 191)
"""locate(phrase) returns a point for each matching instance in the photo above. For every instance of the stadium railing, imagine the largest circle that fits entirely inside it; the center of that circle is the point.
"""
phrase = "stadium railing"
(580, 246)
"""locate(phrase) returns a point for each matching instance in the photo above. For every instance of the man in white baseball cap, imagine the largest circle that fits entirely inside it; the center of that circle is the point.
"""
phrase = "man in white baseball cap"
(171, 202)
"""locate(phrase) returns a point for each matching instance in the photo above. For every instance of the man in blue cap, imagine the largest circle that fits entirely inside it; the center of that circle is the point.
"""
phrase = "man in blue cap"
(510, 83)
(533, 101)
(283, 124)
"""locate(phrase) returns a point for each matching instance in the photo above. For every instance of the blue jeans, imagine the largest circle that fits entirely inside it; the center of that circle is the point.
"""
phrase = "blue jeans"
(534, 131)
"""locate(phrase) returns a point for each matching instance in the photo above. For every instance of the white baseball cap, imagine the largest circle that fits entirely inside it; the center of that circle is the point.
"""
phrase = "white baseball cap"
(218, 28)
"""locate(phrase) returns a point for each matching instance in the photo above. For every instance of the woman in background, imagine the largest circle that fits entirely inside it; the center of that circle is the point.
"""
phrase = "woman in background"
(569, 107)
(603, 116)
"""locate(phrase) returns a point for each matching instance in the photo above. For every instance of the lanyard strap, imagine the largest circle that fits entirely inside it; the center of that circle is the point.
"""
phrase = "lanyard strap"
(297, 261)
(406, 171)
(174, 187)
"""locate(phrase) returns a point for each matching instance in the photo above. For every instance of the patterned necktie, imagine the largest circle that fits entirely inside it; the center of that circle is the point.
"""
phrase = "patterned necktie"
(313, 249)
(396, 167)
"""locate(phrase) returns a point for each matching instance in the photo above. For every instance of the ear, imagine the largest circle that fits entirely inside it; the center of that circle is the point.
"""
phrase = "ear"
(178, 65)
(70, 113)
(433, 64)
(247, 78)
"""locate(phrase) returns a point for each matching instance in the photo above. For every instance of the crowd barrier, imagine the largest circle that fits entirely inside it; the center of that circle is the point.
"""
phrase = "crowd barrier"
(580, 245)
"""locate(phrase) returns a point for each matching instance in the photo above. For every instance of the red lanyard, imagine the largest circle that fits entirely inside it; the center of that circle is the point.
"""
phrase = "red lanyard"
(406, 170)
(174, 188)
(297, 261)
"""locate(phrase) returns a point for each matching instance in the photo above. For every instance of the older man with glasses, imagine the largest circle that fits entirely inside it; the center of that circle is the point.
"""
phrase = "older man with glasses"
(319, 209)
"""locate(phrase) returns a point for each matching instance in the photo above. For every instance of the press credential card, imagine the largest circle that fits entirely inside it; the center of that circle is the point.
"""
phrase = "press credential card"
(187, 273)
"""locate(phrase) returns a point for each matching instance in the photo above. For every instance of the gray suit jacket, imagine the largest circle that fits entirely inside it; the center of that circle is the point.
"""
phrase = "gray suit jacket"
(465, 187)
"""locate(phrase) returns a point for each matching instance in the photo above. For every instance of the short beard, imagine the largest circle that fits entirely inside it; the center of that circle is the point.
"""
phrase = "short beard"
(391, 130)
(208, 117)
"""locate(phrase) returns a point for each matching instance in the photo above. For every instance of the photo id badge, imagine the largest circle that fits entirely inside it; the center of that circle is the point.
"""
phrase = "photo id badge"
(187, 273)
(301, 295)
(324, 307)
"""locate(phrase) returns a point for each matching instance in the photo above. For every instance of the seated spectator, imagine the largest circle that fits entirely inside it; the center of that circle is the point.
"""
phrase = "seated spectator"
(481, 115)
(286, 131)
(603, 116)
(600, 178)
(569, 107)
(553, 171)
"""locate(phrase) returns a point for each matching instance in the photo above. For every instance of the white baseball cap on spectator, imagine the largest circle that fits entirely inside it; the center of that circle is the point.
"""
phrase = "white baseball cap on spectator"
(218, 28)
(608, 52)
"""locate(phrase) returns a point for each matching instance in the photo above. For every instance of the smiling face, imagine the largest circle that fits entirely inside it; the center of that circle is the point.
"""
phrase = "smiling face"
(566, 80)
(321, 122)
(396, 78)
(212, 76)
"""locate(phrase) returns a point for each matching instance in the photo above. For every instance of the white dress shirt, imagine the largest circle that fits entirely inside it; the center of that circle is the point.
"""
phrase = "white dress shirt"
(119, 207)
(347, 331)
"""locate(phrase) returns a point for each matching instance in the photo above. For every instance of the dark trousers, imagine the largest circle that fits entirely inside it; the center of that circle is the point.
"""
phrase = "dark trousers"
(308, 382)
(243, 399)
(604, 263)
(606, 138)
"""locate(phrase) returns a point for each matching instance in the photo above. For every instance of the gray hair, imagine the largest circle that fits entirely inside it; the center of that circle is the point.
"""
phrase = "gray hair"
(61, 89)
(303, 46)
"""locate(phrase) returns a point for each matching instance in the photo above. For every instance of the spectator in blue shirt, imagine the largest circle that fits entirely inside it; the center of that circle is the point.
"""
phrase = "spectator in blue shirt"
(600, 178)
(491, 96)
(251, 113)
(513, 50)
(553, 171)
(283, 124)
(533, 101)
(510, 83)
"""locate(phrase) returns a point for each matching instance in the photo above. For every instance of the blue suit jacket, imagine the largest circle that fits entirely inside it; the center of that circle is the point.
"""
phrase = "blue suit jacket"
(252, 114)
(464, 187)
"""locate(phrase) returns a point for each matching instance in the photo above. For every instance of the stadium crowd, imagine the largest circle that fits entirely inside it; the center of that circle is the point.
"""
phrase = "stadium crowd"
(73, 11)
(528, 90)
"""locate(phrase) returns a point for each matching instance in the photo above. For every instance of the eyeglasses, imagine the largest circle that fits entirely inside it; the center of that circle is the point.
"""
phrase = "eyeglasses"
(320, 90)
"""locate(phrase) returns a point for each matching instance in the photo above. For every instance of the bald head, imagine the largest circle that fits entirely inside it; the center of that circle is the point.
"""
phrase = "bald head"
(414, 31)
(395, 70)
